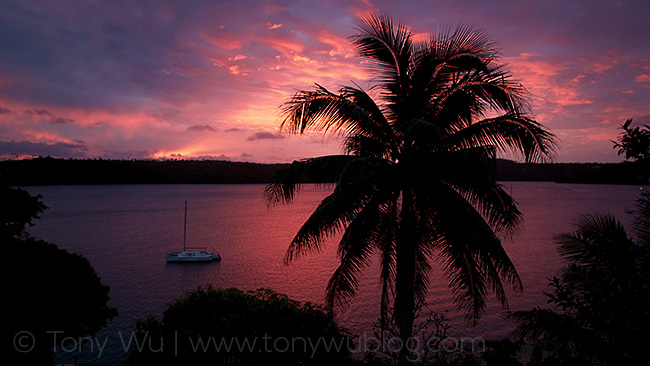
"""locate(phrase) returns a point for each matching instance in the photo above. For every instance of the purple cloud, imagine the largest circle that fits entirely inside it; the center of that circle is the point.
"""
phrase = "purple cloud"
(200, 128)
(263, 135)
(60, 120)
(38, 112)
(58, 149)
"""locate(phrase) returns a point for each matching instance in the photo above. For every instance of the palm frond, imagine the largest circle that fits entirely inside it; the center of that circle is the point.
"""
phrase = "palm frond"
(466, 281)
(462, 40)
(355, 187)
(422, 132)
(328, 218)
(474, 257)
(494, 203)
(642, 223)
(510, 132)
(323, 110)
(361, 98)
(388, 261)
(424, 252)
(369, 146)
(473, 97)
(595, 234)
(472, 173)
(388, 47)
(286, 182)
(365, 234)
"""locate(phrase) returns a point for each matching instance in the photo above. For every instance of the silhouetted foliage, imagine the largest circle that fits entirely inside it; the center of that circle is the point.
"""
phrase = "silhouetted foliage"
(417, 180)
(46, 289)
(600, 298)
(634, 142)
(642, 221)
(18, 209)
(51, 171)
(229, 326)
(588, 173)
(434, 346)
(501, 352)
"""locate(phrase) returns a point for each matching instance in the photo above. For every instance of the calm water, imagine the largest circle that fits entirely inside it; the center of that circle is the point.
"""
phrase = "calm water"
(125, 231)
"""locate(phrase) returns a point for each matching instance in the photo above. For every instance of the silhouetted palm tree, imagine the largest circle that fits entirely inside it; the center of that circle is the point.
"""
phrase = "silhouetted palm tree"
(417, 180)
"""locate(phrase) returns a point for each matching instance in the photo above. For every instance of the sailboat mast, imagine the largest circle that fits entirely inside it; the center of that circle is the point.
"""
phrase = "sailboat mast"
(185, 227)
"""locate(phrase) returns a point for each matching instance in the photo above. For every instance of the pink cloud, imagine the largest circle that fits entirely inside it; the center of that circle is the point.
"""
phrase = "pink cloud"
(546, 82)
(282, 45)
(361, 8)
(338, 46)
(224, 39)
(642, 78)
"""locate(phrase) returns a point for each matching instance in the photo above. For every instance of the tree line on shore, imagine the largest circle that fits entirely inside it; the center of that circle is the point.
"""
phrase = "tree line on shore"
(53, 171)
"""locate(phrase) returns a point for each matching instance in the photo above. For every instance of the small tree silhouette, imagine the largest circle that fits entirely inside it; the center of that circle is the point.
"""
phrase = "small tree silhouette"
(634, 142)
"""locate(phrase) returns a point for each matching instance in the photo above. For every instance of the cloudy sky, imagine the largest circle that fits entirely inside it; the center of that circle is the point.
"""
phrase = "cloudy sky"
(204, 79)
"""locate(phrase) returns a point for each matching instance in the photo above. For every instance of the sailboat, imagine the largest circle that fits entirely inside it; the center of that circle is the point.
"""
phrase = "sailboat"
(191, 255)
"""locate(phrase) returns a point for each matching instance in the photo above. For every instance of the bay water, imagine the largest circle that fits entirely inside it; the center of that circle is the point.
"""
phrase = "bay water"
(125, 231)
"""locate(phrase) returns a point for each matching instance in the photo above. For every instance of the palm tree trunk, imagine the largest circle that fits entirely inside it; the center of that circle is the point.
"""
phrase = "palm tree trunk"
(405, 274)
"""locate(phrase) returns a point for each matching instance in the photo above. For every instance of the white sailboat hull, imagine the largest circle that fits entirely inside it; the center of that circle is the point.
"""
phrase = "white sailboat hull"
(192, 256)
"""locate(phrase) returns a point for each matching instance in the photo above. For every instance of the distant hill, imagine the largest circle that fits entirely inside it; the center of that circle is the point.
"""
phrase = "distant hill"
(51, 171)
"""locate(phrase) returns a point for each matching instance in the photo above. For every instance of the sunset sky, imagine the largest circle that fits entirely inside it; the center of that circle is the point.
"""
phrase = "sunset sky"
(204, 79)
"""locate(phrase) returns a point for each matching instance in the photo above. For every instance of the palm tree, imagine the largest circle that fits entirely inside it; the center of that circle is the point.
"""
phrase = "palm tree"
(416, 181)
